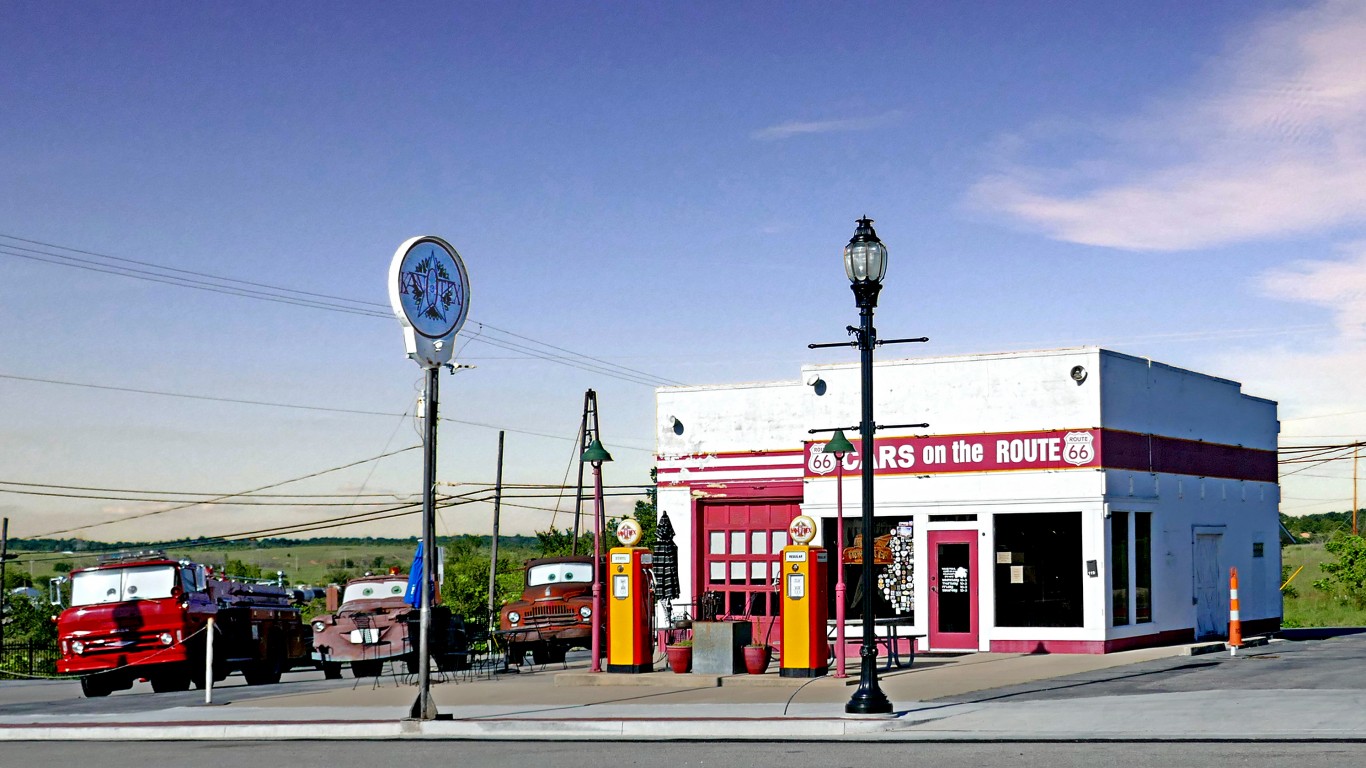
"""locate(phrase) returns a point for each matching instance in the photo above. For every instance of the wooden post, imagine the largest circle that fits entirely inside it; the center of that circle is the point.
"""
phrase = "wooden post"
(208, 662)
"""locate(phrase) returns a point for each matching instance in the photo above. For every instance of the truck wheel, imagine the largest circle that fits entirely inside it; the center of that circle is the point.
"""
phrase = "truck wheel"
(412, 664)
(268, 670)
(555, 653)
(331, 670)
(95, 686)
(171, 682)
(370, 668)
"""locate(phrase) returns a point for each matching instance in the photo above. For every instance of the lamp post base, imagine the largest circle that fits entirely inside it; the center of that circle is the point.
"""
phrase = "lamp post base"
(865, 702)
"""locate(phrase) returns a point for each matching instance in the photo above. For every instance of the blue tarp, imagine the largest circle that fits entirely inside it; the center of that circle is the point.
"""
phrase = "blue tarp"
(412, 596)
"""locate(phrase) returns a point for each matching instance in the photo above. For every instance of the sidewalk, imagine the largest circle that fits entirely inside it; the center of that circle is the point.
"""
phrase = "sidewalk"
(557, 704)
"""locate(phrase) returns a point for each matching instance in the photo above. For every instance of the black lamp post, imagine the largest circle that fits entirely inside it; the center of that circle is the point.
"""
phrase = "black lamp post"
(865, 262)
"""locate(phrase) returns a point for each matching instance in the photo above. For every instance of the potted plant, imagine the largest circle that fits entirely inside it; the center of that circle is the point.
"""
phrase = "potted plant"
(680, 656)
(757, 658)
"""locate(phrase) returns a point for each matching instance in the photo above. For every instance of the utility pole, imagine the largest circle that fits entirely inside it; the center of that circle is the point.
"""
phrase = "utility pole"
(1356, 450)
(588, 432)
(493, 554)
(4, 556)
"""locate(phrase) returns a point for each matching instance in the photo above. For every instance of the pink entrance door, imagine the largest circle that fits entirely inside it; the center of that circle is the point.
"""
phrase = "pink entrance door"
(953, 590)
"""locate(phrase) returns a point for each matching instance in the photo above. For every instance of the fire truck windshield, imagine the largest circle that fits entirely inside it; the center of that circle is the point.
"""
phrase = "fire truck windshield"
(115, 585)
(557, 573)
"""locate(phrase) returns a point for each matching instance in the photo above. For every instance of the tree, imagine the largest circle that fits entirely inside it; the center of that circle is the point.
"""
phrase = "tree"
(1346, 578)
(466, 588)
(555, 543)
(647, 511)
(243, 569)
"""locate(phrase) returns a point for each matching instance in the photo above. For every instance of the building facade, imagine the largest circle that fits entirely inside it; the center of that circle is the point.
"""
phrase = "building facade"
(1075, 500)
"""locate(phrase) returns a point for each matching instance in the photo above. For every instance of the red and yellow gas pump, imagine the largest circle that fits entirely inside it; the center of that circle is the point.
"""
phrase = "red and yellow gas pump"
(805, 651)
(630, 603)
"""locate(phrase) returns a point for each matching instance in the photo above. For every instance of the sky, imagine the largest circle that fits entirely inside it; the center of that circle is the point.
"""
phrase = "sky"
(643, 194)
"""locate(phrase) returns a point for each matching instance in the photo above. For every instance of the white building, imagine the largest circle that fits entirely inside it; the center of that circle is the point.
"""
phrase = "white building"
(1074, 500)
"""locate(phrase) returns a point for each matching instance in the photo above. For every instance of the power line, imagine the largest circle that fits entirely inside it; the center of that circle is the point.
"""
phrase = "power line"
(295, 406)
(226, 496)
(204, 281)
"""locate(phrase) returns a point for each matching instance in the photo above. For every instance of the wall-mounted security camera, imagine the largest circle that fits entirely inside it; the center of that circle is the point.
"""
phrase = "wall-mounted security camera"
(675, 424)
(1078, 374)
(816, 383)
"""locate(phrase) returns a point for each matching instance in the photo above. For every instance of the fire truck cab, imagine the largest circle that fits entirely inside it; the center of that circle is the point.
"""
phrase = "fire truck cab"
(144, 616)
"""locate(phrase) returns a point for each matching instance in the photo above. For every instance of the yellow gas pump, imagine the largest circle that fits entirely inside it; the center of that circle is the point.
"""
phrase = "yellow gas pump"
(630, 603)
(805, 650)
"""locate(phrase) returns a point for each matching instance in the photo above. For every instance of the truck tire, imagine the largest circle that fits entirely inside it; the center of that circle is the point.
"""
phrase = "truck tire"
(95, 686)
(555, 653)
(331, 670)
(170, 682)
(267, 671)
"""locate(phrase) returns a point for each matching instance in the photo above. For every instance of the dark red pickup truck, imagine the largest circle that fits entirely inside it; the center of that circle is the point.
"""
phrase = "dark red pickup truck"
(555, 612)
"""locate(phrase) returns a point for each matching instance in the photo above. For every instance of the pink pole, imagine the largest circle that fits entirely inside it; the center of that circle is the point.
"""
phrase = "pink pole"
(839, 567)
(597, 576)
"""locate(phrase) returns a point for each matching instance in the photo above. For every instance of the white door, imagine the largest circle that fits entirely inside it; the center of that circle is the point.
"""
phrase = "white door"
(1211, 597)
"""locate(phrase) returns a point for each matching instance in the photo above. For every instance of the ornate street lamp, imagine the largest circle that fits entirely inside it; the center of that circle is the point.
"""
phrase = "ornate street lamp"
(839, 445)
(865, 262)
(596, 455)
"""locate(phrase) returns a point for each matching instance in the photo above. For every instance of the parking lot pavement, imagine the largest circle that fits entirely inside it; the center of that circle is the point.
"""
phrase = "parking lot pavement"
(1294, 690)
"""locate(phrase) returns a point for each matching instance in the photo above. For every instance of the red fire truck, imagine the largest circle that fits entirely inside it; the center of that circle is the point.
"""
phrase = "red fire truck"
(143, 616)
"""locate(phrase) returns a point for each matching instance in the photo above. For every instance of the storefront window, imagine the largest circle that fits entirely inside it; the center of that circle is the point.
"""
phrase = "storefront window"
(1143, 567)
(1038, 570)
(1119, 568)
(893, 572)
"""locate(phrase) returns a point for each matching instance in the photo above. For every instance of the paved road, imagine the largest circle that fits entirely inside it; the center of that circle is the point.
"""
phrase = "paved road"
(363, 754)
(1331, 664)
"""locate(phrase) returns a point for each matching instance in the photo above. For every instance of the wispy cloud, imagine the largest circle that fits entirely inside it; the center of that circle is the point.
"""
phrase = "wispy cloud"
(797, 128)
(1339, 286)
(1271, 141)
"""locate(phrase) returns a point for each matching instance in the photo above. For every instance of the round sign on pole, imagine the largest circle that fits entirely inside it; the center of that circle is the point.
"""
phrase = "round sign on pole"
(629, 532)
(802, 529)
(430, 293)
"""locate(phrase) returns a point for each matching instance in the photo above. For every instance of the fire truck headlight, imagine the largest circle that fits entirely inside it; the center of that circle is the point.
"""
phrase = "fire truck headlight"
(586, 612)
(166, 638)
(318, 626)
(514, 617)
(77, 647)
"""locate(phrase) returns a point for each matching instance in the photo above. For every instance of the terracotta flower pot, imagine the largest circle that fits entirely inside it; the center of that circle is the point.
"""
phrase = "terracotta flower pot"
(757, 658)
(680, 658)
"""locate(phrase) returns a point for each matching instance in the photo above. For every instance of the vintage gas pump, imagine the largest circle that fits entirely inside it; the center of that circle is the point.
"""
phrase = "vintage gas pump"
(630, 603)
(805, 651)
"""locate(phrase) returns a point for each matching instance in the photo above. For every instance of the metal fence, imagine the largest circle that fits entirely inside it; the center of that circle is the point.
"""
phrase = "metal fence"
(28, 659)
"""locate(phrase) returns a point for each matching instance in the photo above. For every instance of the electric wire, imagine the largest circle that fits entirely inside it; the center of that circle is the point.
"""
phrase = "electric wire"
(205, 281)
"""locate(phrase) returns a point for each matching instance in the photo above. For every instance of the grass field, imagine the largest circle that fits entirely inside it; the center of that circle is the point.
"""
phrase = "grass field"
(311, 564)
(1310, 607)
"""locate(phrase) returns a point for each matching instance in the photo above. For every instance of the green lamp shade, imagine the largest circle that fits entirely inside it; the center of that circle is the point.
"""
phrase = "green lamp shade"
(839, 444)
(596, 453)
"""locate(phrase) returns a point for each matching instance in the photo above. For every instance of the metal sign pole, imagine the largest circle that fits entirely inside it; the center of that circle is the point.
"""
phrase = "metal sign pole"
(429, 291)
(424, 708)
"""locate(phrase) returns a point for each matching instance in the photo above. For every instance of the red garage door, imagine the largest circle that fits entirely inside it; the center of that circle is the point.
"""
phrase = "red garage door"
(740, 546)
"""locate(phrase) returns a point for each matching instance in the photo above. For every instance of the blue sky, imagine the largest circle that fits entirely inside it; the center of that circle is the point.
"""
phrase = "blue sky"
(663, 186)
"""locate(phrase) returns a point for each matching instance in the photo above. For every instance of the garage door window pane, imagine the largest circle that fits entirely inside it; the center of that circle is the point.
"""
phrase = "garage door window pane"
(718, 543)
(737, 542)
(718, 573)
(758, 542)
